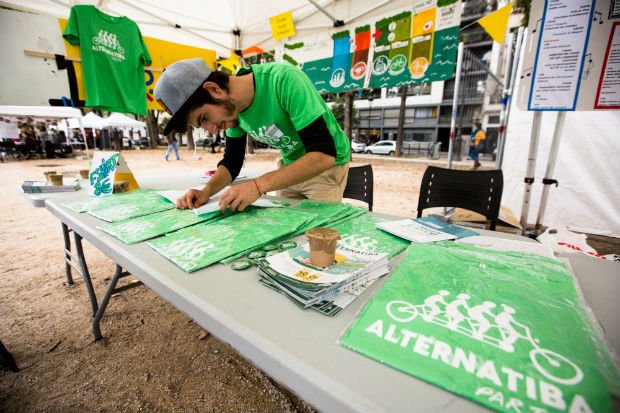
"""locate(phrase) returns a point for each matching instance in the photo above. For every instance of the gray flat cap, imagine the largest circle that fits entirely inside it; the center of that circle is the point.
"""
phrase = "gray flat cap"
(178, 82)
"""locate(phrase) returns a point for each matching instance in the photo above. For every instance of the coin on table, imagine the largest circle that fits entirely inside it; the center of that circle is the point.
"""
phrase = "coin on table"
(270, 247)
(272, 252)
(256, 254)
(287, 245)
(241, 265)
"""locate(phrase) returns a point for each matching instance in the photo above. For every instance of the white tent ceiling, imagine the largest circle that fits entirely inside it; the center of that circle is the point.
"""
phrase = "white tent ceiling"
(210, 24)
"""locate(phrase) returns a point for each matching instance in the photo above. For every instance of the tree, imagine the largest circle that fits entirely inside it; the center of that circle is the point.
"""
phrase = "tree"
(151, 126)
(338, 109)
(524, 7)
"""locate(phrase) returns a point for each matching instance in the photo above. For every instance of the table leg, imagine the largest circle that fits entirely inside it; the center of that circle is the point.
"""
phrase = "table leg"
(65, 234)
(85, 274)
(119, 273)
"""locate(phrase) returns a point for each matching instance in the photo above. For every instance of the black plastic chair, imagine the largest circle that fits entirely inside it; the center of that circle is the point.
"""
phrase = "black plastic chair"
(478, 191)
(360, 184)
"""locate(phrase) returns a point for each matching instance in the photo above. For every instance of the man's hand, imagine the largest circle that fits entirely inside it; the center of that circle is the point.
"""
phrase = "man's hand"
(239, 196)
(193, 199)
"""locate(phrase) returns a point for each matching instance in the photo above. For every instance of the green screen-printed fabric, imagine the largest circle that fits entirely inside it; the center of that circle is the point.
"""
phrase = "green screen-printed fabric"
(150, 226)
(507, 330)
(285, 101)
(361, 232)
(326, 213)
(129, 210)
(204, 244)
(113, 58)
(93, 203)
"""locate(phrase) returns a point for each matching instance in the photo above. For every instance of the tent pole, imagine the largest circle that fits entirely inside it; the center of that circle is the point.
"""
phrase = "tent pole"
(85, 139)
(553, 156)
(455, 99)
(531, 167)
(504, 123)
(337, 23)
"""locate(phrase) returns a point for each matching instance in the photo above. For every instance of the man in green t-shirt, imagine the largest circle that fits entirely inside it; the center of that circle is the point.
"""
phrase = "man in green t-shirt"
(275, 104)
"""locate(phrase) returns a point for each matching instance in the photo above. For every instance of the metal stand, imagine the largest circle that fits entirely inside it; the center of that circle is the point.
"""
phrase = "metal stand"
(531, 167)
(455, 99)
(507, 98)
(553, 156)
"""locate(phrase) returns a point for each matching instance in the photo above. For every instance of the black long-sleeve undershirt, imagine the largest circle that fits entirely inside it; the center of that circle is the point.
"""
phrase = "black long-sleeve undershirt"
(315, 138)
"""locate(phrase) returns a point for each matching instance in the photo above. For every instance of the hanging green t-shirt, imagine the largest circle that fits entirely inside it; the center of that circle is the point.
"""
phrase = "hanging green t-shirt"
(285, 101)
(113, 59)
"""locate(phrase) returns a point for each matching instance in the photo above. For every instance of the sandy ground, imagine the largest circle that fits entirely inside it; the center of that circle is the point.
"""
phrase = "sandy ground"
(153, 357)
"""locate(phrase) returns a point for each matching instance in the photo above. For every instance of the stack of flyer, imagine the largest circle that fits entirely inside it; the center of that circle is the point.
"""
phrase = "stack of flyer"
(427, 229)
(327, 290)
(36, 187)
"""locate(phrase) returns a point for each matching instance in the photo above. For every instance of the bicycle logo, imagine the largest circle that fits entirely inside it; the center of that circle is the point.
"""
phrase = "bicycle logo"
(503, 332)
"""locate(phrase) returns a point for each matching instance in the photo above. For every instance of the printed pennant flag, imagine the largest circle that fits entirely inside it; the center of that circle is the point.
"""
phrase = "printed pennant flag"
(496, 22)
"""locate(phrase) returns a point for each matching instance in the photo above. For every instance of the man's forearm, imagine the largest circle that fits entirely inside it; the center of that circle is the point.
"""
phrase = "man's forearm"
(306, 167)
(218, 181)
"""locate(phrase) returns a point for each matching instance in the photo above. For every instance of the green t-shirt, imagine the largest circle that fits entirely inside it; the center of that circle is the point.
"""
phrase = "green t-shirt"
(285, 101)
(113, 59)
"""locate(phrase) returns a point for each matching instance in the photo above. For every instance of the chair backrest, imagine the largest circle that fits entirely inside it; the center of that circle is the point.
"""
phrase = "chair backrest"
(360, 184)
(478, 191)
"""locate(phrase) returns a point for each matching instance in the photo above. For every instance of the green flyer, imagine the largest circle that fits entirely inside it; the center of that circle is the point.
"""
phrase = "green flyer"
(506, 330)
(204, 244)
(362, 232)
(150, 226)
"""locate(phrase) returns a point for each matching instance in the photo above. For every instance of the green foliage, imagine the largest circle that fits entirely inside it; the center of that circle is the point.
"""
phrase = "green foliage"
(293, 46)
(339, 35)
(338, 111)
(524, 7)
(386, 21)
(162, 125)
(361, 29)
(290, 59)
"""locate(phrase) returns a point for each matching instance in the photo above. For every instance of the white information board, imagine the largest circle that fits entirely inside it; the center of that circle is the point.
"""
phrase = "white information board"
(572, 56)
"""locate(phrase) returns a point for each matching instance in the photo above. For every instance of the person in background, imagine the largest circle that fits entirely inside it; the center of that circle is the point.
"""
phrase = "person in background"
(478, 135)
(48, 142)
(275, 103)
(171, 140)
(216, 142)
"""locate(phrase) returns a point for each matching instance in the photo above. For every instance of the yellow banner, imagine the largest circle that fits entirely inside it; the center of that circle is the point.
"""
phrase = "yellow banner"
(282, 26)
(162, 53)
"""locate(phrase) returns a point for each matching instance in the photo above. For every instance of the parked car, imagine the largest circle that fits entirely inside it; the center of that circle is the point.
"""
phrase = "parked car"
(382, 148)
(358, 147)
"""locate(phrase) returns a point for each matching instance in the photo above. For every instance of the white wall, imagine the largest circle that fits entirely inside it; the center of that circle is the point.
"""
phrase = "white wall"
(26, 80)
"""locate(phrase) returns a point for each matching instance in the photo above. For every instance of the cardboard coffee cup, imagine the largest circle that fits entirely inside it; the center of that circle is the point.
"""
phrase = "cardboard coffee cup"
(84, 173)
(120, 186)
(55, 179)
(47, 175)
(323, 243)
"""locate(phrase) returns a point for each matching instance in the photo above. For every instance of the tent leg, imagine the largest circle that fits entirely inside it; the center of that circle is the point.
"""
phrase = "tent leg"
(531, 167)
(553, 156)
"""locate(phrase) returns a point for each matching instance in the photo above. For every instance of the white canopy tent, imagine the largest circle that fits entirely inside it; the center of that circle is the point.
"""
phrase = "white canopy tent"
(90, 120)
(123, 121)
(45, 112)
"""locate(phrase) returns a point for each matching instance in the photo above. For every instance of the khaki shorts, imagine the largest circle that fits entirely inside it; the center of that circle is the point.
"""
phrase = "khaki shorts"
(328, 186)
